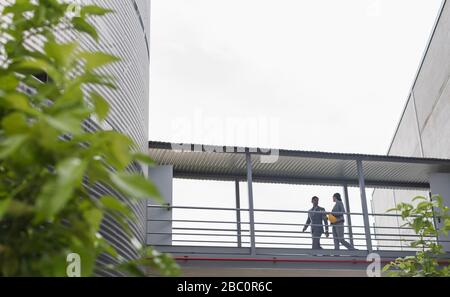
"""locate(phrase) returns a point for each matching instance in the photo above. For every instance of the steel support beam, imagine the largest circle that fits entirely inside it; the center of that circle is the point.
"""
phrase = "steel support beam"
(362, 189)
(238, 214)
(251, 213)
(299, 181)
(349, 217)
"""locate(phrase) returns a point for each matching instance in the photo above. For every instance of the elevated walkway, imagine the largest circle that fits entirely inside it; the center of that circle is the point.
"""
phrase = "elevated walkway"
(248, 246)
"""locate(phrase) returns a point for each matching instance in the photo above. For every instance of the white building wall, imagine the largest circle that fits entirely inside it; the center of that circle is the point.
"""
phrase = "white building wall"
(424, 128)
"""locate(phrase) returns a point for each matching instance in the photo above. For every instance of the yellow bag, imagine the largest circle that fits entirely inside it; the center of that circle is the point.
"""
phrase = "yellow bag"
(332, 218)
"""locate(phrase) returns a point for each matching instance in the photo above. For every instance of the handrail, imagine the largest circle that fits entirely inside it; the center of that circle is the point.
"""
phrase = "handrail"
(268, 210)
(267, 231)
(265, 223)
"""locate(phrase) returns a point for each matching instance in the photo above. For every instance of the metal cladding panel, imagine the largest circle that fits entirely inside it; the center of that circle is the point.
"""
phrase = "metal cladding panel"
(123, 33)
(298, 167)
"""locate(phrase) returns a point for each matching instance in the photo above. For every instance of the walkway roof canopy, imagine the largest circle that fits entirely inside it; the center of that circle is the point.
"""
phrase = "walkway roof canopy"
(295, 167)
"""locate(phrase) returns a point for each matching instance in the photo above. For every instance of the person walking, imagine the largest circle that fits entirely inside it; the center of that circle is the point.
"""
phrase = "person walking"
(338, 226)
(316, 219)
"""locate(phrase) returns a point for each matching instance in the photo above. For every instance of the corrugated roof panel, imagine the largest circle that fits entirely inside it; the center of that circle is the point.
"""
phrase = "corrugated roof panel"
(298, 167)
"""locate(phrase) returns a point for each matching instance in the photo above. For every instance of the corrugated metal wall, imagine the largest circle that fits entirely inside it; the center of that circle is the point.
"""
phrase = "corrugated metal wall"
(123, 33)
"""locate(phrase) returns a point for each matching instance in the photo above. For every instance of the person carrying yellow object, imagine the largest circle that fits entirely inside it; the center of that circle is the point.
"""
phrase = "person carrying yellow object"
(332, 218)
(336, 218)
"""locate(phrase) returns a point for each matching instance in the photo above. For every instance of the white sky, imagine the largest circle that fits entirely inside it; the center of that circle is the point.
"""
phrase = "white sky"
(330, 75)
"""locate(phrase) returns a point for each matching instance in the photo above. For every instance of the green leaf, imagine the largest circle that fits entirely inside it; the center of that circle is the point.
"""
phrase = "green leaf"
(65, 122)
(97, 59)
(56, 193)
(15, 123)
(107, 248)
(424, 205)
(118, 149)
(143, 158)
(20, 102)
(97, 79)
(386, 267)
(81, 25)
(94, 10)
(101, 106)
(113, 203)
(94, 217)
(11, 144)
(4, 205)
(164, 263)
(135, 186)
(42, 175)
(88, 256)
(62, 54)
(19, 7)
(19, 208)
(8, 82)
(392, 210)
(70, 100)
(37, 66)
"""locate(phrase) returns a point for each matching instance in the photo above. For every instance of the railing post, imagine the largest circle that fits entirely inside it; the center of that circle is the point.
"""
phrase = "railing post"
(251, 213)
(349, 217)
(238, 213)
(362, 188)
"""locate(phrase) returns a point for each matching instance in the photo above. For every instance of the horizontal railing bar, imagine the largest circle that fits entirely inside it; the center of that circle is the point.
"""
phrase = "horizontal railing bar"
(392, 236)
(353, 226)
(197, 208)
(429, 238)
(268, 210)
(396, 246)
(211, 229)
(347, 233)
(196, 221)
(194, 234)
(396, 239)
(306, 237)
(269, 223)
(401, 249)
(327, 244)
(290, 244)
(208, 241)
(233, 235)
(295, 237)
(209, 234)
(307, 244)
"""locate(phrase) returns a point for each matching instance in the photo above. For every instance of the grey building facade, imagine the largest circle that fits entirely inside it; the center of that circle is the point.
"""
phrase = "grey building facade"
(125, 34)
(424, 127)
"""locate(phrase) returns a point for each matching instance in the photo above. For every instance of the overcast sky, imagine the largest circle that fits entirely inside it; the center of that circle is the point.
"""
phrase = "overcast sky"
(330, 75)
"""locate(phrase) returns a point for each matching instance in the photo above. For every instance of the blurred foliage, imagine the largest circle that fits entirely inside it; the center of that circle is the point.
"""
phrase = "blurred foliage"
(421, 218)
(48, 161)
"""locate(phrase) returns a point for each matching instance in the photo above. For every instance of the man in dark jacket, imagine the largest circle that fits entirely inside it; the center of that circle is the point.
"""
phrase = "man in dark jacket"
(316, 219)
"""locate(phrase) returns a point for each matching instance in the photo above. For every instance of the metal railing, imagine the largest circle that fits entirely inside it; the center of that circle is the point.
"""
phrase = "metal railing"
(274, 228)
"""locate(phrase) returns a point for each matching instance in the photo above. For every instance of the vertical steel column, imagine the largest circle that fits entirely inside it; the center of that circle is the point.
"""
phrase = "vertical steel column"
(238, 213)
(251, 213)
(362, 188)
(349, 217)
